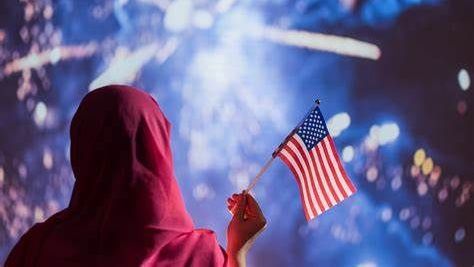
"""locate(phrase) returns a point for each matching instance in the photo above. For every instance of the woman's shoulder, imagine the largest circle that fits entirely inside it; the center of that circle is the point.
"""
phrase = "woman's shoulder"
(196, 248)
(25, 250)
(20, 251)
(200, 239)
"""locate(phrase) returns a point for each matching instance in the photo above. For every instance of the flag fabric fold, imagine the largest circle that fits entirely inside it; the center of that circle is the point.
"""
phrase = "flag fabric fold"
(310, 154)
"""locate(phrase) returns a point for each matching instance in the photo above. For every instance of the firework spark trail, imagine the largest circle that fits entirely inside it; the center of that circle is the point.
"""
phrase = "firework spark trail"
(52, 56)
(167, 50)
(124, 67)
(161, 4)
(223, 6)
(318, 41)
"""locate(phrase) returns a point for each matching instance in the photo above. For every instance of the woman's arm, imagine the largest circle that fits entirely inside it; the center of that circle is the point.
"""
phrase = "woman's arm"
(236, 261)
(246, 224)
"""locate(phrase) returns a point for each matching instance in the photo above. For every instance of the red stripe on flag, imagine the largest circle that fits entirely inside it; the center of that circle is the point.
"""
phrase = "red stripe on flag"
(311, 178)
(331, 176)
(317, 181)
(340, 176)
(305, 177)
(340, 188)
(344, 174)
(322, 178)
(326, 176)
(295, 174)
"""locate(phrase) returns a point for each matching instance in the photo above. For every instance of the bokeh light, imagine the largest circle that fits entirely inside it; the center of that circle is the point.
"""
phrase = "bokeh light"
(348, 153)
(338, 123)
(427, 166)
(464, 79)
(419, 157)
(234, 77)
(39, 115)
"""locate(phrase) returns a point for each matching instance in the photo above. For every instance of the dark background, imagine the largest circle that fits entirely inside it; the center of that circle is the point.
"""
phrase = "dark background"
(406, 119)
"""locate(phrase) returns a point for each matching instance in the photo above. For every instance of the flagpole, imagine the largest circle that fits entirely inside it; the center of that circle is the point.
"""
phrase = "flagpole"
(259, 174)
(278, 149)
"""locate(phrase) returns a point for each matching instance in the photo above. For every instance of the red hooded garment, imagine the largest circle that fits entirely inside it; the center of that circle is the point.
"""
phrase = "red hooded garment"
(126, 208)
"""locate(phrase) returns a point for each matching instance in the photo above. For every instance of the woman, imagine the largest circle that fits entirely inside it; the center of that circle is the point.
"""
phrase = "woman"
(126, 208)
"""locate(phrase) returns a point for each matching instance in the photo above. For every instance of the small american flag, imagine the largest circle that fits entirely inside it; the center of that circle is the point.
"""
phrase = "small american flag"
(310, 154)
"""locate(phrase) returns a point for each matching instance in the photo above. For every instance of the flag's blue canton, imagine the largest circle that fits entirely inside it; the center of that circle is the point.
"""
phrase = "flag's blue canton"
(313, 129)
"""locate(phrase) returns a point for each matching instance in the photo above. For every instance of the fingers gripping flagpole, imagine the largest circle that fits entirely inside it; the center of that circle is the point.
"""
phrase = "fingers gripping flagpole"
(278, 149)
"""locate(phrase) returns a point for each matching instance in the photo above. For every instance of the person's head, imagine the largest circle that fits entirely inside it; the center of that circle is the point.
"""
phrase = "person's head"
(121, 159)
(117, 121)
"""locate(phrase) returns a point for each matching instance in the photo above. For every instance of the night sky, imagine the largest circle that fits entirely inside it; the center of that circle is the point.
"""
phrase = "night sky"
(401, 117)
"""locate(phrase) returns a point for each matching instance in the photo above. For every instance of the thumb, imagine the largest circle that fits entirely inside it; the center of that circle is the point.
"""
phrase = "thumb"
(253, 206)
(240, 209)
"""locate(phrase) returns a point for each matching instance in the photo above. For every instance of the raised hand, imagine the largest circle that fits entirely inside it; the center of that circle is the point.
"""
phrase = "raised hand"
(247, 223)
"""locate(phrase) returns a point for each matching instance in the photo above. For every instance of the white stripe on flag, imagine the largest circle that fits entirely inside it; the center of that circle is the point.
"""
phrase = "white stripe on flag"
(323, 177)
(307, 177)
(329, 172)
(336, 167)
(314, 179)
(290, 159)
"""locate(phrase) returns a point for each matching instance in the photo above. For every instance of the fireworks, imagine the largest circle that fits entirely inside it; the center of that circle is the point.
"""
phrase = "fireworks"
(229, 91)
(323, 42)
(53, 56)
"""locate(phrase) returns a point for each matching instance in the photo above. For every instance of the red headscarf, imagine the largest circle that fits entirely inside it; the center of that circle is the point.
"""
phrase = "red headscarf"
(126, 208)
